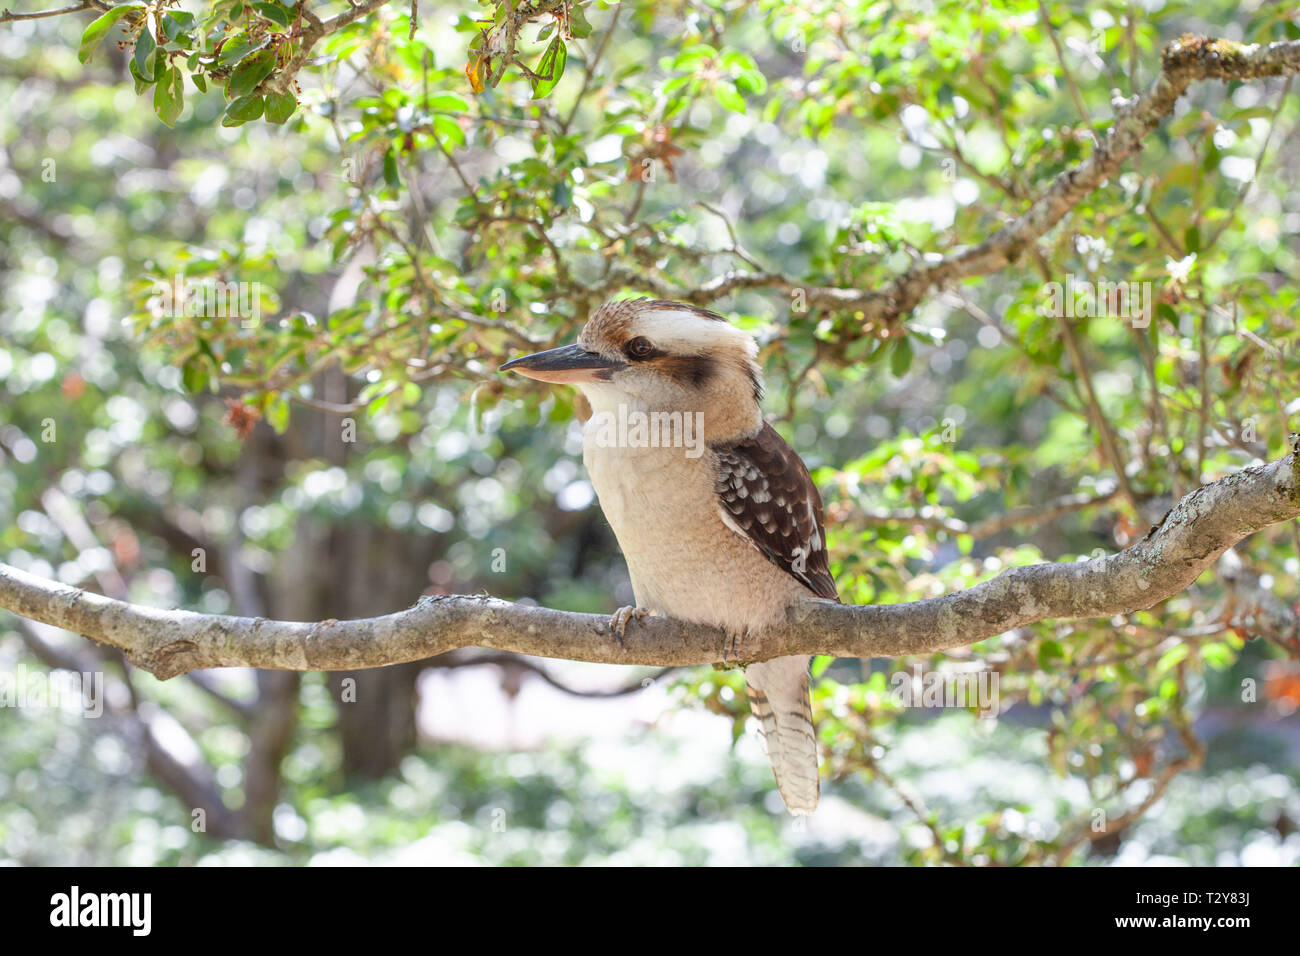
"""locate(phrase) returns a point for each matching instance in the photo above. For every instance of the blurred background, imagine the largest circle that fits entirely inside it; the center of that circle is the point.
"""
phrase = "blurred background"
(350, 447)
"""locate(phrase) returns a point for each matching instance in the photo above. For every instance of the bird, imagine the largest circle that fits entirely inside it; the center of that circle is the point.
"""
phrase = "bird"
(720, 524)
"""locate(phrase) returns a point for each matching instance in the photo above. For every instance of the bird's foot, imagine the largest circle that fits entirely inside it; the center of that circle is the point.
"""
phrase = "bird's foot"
(731, 653)
(619, 620)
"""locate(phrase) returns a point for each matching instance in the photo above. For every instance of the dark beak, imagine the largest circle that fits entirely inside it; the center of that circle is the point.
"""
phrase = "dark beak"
(567, 365)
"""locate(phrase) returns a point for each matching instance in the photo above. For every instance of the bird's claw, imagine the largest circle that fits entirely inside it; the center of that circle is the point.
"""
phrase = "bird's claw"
(731, 652)
(618, 621)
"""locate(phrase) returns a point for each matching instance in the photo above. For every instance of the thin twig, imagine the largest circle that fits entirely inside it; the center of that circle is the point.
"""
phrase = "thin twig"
(7, 15)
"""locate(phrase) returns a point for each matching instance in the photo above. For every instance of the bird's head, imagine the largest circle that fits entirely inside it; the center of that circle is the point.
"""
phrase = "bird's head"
(656, 355)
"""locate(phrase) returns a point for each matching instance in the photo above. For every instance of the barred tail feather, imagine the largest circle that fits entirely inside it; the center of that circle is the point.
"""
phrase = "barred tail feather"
(779, 698)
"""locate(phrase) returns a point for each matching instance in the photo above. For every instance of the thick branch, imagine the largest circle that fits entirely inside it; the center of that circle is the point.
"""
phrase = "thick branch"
(1193, 535)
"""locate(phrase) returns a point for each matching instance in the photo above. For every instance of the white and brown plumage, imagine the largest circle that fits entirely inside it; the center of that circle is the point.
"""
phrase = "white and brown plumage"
(729, 538)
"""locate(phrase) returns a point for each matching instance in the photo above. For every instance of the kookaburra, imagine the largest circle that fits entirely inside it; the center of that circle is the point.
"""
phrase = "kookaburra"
(720, 526)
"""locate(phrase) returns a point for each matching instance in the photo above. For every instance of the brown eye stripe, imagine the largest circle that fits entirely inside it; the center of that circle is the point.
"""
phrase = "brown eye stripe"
(693, 370)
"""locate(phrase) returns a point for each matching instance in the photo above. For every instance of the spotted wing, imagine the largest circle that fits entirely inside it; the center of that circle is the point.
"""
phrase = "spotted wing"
(766, 495)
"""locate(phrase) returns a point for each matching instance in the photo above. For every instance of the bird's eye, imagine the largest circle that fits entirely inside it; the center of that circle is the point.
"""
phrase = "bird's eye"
(639, 348)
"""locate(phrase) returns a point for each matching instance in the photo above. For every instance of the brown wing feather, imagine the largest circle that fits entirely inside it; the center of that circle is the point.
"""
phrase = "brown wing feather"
(767, 496)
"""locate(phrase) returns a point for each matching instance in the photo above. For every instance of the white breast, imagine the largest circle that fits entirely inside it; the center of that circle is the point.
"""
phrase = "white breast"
(683, 561)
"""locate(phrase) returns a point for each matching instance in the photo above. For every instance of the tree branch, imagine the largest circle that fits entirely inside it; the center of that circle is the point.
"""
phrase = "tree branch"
(313, 33)
(1183, 62)
(505, 659)
(995, 524)
(191, 783)
(7, 15)
(1191, 537)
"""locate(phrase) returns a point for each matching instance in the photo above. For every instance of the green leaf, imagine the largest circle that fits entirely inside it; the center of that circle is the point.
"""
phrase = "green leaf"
(277, 413)
(748, 77)
(252, 70)
(448, 102)
(169, 95)
(141, 84)
(1218, 655)
(391, 177)
(578, 24)
(1171, 658)
(176, 23)
(242, 110)
(1048, 652)
(234, 51)
(562, 195)
(692, 56)
(901, 358)
(728, 96)
(194, 375)
(449, 131)
(273, 11)
(280, 106)
(550, 68)
(146, 57)
(98, 29)
(1192, 239)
